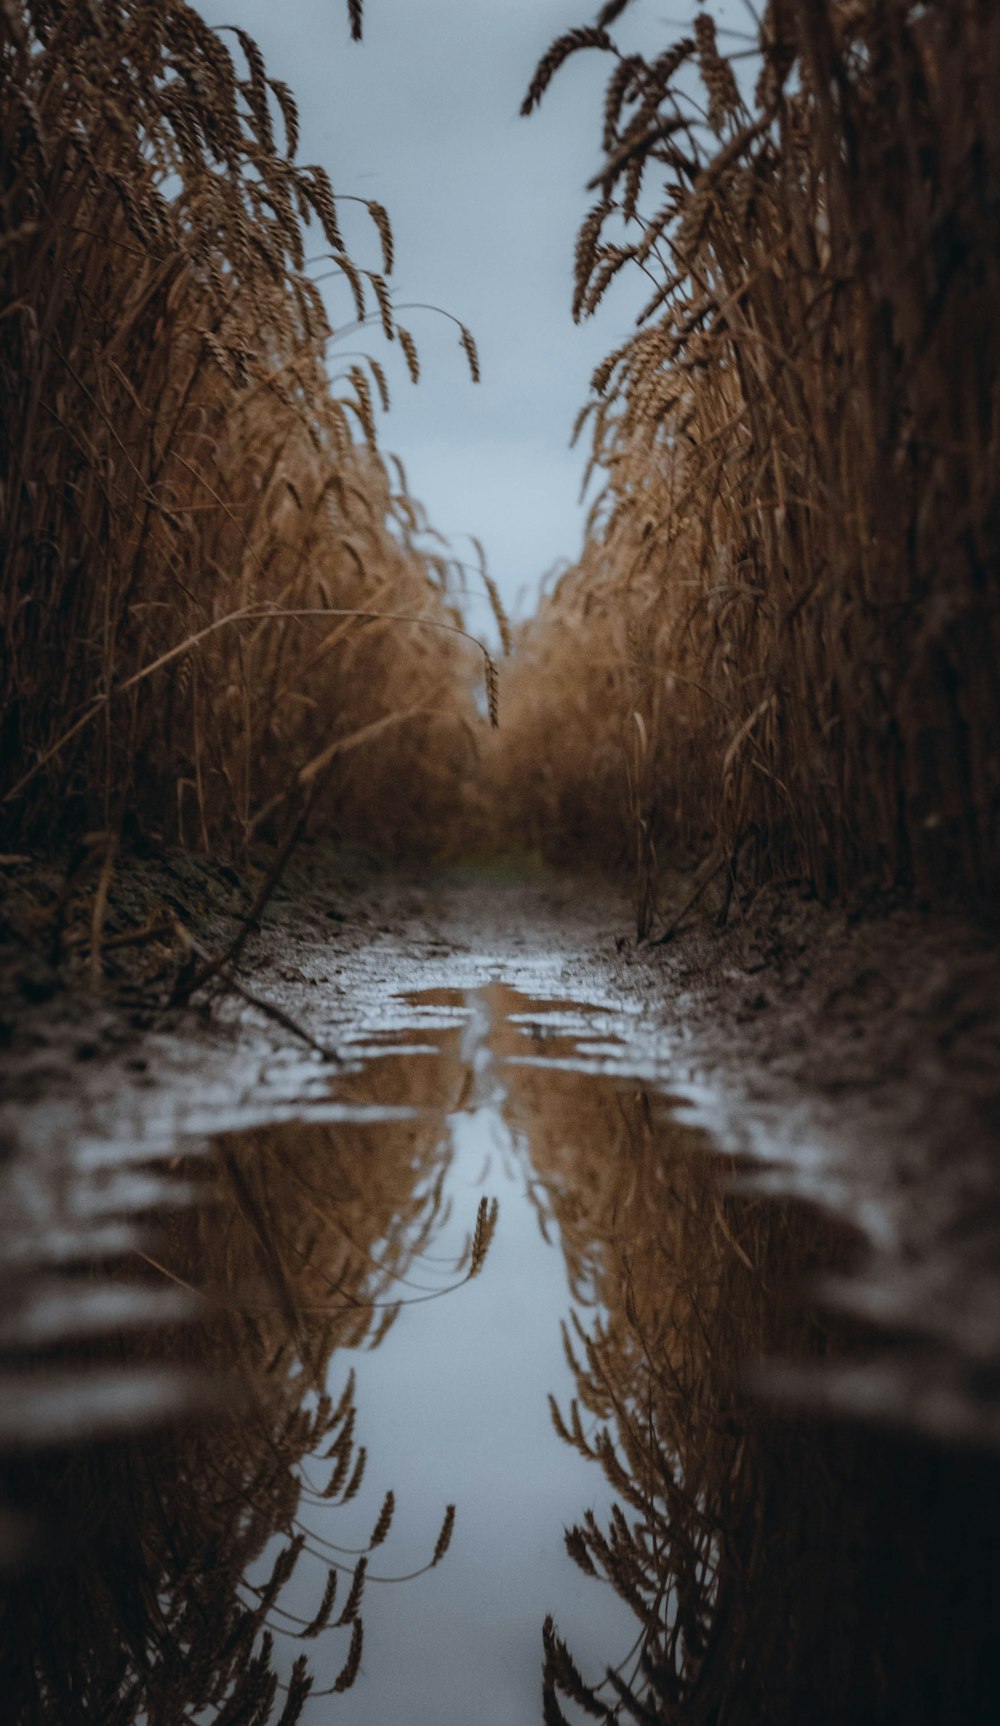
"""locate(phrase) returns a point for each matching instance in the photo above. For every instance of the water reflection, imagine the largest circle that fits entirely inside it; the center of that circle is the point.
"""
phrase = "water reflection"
(777, 1569)
(532, 1415)
(157, 1570)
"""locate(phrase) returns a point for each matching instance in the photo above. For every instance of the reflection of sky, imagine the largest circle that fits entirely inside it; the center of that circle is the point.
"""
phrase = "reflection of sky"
(453, 1407)
(423, 115)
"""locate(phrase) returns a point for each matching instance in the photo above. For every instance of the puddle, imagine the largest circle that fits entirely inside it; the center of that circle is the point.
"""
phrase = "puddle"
(430, 1403)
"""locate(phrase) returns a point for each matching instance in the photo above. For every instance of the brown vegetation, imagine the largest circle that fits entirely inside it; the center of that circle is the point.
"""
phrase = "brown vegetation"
(779, 1569)
(780, 643)
(778, 647)
(302, 1241)
(207, 566)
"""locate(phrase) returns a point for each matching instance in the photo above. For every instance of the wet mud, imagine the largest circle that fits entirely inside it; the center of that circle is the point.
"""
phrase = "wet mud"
(479, 1374)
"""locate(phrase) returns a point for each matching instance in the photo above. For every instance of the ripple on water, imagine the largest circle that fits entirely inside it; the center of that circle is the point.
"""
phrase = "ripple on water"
(440, 1380)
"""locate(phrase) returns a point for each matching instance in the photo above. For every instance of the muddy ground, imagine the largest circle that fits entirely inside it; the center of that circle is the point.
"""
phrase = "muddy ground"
(851, 1056)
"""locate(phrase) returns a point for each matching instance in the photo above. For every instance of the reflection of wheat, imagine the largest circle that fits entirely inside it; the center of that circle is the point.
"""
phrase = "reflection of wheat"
(305, 1208)
(486, 1222)
(384, 1522)
(679, 1283)
(350, 1669)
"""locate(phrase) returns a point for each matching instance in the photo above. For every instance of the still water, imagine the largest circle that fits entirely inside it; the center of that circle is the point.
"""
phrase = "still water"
(445, 1399)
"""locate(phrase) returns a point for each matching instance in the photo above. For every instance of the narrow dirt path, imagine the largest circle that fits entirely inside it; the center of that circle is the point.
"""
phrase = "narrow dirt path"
(854, 1064)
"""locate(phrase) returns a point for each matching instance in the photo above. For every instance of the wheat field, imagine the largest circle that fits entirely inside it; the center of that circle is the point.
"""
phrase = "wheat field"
(779, 645)
(777, 650)
(213, 604)
(774, 660)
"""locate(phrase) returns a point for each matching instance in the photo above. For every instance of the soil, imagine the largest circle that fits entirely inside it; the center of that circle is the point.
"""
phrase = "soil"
(849, 1056)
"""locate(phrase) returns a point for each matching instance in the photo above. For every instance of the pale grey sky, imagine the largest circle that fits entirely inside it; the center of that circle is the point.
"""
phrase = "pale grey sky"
(423, 115)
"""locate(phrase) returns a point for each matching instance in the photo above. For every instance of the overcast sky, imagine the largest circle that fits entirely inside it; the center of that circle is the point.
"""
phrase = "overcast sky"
(423, 116)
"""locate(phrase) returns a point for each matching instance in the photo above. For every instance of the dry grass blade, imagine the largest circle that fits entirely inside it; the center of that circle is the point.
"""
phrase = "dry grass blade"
(411, 356)
(444, 1538)
(471, 352)
(588, 36)
(493, 691)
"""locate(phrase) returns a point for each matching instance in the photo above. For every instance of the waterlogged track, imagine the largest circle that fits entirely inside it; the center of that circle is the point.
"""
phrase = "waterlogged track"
(453, 1380)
